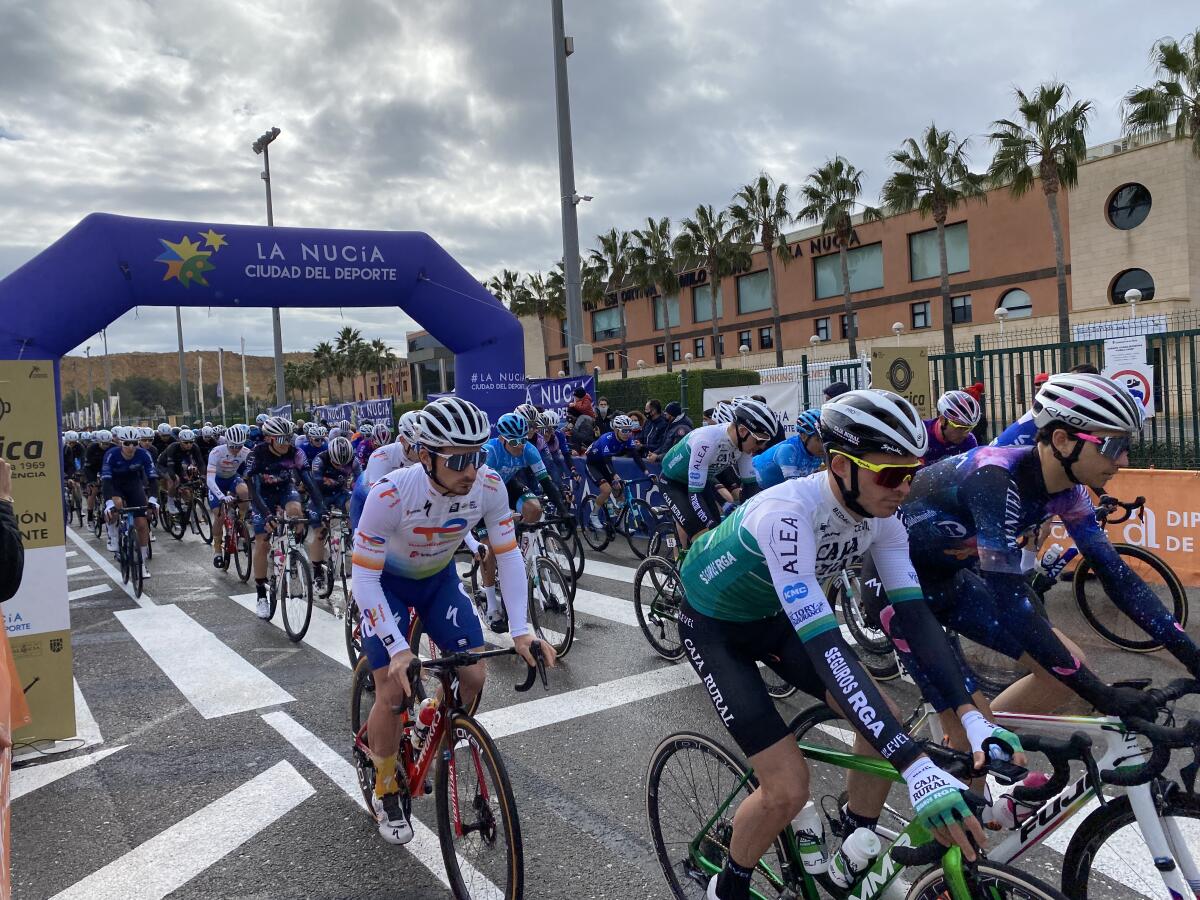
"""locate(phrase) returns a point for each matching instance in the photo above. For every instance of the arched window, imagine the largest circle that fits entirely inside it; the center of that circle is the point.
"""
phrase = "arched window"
(1018, 304)
(1128, 280)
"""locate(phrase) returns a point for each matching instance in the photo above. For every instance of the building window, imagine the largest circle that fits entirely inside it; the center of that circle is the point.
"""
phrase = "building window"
(960, 309)
(743, 340)
(754, 292)
(610, 360)
(698, 348)
(821, 329)
(659, 356)
(1132, 279)
(606, 324)
(721, 344)
(766, 339)
(865, 265)
(675, 351)
(702, 303)
(1017, 303)
(1128, 206)
(920, 315)
(845, 331)
(563, 334)
(672, 311)
(923, 252)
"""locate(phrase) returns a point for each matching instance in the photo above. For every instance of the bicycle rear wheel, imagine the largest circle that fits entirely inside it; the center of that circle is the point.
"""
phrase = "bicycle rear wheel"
(552, 606)
(993, 670)
(202, 519)
(593, 522)
(1112, 624)
(332, 563)
(560, 554)
(688, 780)
(134, 553)
(478, 828)
(175, 523)
(243, 556)
(657, 598)
(985, 878)
(639, 526)
(297, 590)
(353, 632)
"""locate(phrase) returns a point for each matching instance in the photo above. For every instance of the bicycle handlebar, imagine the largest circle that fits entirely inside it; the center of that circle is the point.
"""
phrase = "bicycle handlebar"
(469, 658)
(1060, 753)
(931, 852)
(1109, 505)
(1163, 738)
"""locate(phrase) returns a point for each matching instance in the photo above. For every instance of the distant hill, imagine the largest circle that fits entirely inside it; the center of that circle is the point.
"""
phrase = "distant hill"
(260, 370)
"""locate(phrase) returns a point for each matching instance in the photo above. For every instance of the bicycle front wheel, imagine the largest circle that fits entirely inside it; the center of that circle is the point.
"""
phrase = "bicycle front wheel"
(657, 597)
(202, 519)
(243, 553)
(175, 523)
(297, 590)
(552, 607)
(690, 778)
(478, 828)
(593, 522)
(560, 554)
(985, 879)
(1112, 624)
(639, 527)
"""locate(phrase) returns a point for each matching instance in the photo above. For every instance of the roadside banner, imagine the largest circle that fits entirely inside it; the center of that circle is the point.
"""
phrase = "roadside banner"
(783, 397)
(903, 371)
(556, 393)
(375, 410)
(285, 410)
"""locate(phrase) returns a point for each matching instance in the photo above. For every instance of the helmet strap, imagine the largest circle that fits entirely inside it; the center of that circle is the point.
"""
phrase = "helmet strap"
(737, 433)
(850, 494)
(1070, 459)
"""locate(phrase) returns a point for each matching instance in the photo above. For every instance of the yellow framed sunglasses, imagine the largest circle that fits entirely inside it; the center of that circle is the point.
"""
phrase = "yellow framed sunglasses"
(887, 475)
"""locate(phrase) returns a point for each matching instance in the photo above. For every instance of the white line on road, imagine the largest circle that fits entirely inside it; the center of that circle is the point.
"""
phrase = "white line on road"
(71, 553)
(325, 630)
(424, 845)
(86, 726)
(89, 591)
(612, 571)
(29, 779)
(78, 570)
(605, 607)
(171, 859)
(214, 679)
(108, 568)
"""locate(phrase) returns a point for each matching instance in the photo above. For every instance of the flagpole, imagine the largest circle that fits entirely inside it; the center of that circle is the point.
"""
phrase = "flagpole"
(245, 390)
(221, 381)
(200, 384)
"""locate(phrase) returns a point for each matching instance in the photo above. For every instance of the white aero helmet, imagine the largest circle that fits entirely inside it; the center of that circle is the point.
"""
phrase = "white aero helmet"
(207, 432)
(277, 426)
(164, 429)
(1087, 403)
(71, 436)
(187, 436)
(104, 436)
(755, 415)
(723, 412)
(959, 407)
(409, 426)
(873, 421)
(237, 435)
(454, 422)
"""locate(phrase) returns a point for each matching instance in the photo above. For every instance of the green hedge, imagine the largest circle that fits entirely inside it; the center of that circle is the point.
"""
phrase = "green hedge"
(399, 409)
(626, 394)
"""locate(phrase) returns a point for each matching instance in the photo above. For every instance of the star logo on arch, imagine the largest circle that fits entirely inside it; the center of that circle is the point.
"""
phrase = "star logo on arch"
(188, 260)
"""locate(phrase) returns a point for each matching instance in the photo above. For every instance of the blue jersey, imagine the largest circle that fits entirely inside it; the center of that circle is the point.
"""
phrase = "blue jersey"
(938, 449)
(1021, 433)
(138, 468)
(506, 465)
(609, 445)
(785, 460)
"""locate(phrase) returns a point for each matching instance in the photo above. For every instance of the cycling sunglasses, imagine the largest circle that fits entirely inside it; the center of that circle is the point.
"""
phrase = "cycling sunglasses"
(887, 475)
(457, 462)
(129, 443)
(1110, 448)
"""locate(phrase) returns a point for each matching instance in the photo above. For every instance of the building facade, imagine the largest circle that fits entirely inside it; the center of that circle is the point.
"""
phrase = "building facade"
(431, 365)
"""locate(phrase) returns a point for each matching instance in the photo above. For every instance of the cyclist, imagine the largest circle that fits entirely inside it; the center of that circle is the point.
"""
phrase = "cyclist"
(206, 441)
(966, 518)
(689, 470)
(335, 471)
(182, 460)
(126, 471)
(275, 469)
(552, 445)
(509, 457)
(1023, 432)
(795, 457)
(950, 430)
(162, 437)
(312, 441)
(616, 442)
(93, 460)
(226, 465)
(72, 464)
(147, 440)
(753, 593)
(411, 524)
(400, 454)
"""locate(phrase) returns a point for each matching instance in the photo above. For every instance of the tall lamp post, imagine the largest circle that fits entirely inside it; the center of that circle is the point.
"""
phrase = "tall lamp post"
(182, 367)
(260, 147)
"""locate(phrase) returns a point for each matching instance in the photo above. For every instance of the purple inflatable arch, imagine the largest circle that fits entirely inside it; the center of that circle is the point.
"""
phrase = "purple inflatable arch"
(108, 264)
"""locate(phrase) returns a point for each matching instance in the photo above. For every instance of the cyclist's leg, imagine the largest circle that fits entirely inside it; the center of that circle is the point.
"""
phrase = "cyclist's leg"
(218, 519)
(1039, 692)
(134, 494)
(445, 610)
(693, 512)
(261, 542)
(383, 726)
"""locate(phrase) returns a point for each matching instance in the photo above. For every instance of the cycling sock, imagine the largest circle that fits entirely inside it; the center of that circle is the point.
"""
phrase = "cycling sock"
(145, 553)
(260, 584)
(385, 775)
(733, 882)
(493, 603)
(852, 820)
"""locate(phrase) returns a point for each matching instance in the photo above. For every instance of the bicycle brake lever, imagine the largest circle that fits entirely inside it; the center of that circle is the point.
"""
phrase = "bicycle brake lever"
(1187, 774)
(1093, 771)
(532, 672)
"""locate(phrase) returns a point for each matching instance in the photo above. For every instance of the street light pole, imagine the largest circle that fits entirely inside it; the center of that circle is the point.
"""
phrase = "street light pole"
(87, 351)
(260, 147)
(107, 378)
(566, 184)
(182, 367)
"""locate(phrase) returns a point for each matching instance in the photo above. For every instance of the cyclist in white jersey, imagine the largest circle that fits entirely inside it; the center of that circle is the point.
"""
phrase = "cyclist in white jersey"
(226, 465)
(400, 454)
(411, 524)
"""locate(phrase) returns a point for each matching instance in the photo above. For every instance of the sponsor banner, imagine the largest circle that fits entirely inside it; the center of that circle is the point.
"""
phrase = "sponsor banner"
(556, 393)
(334, 412)
(904, 371)
(783, 397)
(1171, 526)
(375, 410)
(285, 410)
(39, 611)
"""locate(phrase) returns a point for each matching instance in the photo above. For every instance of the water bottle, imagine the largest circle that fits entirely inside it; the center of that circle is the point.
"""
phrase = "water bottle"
(1005, 814)
(810, 839)
(854, 856)
(1055, 559)
(422, 722)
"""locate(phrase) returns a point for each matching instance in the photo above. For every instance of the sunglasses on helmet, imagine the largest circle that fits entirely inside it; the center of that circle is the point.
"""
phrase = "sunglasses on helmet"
(887, 475)
(1110, 448)
(457, 462)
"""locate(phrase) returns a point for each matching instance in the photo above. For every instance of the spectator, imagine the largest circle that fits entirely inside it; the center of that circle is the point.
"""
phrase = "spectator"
(582, 404)
(677, 426)
(582, 433)
(656, 425)
(603, 417)
(838, 387)
(12, 551)
(640, 418)
(707, 417)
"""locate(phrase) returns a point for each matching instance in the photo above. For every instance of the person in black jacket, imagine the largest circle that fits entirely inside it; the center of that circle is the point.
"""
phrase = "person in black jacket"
(677, 426)
(12, 551)
(655, 426)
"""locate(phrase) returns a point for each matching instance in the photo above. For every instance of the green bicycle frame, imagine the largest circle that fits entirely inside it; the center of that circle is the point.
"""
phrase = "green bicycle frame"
(881, 873)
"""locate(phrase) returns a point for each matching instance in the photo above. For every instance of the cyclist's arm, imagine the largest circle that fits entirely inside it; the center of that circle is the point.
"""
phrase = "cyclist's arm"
(370, 553)
(151, 474)
(510, 567)
(254, 484)
(210, 475)
(377, 465)
(106, 476)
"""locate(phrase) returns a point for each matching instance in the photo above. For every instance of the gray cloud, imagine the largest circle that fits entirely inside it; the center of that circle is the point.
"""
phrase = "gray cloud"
(440, 117)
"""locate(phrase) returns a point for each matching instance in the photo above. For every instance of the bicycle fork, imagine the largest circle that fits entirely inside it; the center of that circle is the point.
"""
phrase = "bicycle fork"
(1165, 841)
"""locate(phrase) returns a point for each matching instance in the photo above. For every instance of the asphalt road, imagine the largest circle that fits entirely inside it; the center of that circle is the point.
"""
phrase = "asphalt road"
(215, 753)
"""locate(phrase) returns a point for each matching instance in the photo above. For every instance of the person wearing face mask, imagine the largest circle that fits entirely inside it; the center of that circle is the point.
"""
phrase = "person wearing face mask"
(655, 429)
(603, 418)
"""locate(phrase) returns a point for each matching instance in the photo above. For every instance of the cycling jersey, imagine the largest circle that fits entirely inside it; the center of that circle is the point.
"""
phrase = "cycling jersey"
(971, 512)
(554, 451)
(277, 476)
(125, 477)
(785, 460)
(72, 459)
(384, 460)
(206, 447)
(702, 453)
(310, 449)
(332, 477)
(410, 530)
(175, 459)
(93, 459)
(1021, 433)
(223, 469)
(160, 443)
(506, 465)
(938, 448)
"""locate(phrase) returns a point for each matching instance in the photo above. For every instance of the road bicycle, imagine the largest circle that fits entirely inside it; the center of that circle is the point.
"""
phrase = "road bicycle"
(1147, 838)
(129, 549)
(73, 500)
(630, 516)
(236, 541)
(191, 511)
(478, 828)
(694, 786)
(339, 550)
(291, 581)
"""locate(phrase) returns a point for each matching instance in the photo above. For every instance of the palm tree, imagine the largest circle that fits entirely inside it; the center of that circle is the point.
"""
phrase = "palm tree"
(383, 357)
(712, 239)
(540, 297)
(1175, 95)
(652, 264)
(323, 357)
(610, 262)
(933, 179)
(1048, 143)
(759, 213)
(346, 344)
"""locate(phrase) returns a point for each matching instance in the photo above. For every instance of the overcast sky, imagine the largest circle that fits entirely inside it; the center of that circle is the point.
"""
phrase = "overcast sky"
(440, 116)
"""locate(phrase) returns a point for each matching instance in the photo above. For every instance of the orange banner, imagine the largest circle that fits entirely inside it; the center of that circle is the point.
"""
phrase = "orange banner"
(1171, 527)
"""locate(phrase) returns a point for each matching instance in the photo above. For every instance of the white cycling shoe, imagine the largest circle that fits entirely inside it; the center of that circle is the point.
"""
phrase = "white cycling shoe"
(393, 826)
(264, 608)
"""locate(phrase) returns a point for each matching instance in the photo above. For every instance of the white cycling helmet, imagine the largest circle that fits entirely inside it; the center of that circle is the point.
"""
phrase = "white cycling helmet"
(624, 423)
(104, 436)
(237, 435)
(723, 412)
(454, 422)
(409, 426)
(187, 436)
(207, 432)
(959, 407)
(755, 415)
(367, 430)
(1087, 403)
(276, 426)
(549, 419)
(164, 429)
(383, 433)
(873, 421)
(71, 436)
(87, 436)
(146, 434)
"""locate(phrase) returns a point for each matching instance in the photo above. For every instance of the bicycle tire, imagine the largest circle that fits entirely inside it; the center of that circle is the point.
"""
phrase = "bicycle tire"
(985, 878)
(639, 526)
(870, 638)
(202, 519)
(175, 523)
(297, 611)
(1088, 841)
(363, 683)
(993, 671)
(351, 627)
(560, 554)
(777, 687)
(327, 583)
(686, 878)
(123, 555)
(552, 606)
(245, 550)
(578, 554)
(509, 875)
(596, 537)
(98, 524)
(345, 565)
(1096, 607)
(136, 567)
(657, 597)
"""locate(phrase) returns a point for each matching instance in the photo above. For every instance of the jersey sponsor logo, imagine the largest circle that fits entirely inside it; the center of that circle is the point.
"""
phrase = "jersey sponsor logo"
(950, 528)
(794, 592)
(372, 538)
(447, 531)
(452, 615)
(810, 611)
(717, 566)
(785, 543)
(911, 521)
(857, 700)
(1012, 516)
(491, 476)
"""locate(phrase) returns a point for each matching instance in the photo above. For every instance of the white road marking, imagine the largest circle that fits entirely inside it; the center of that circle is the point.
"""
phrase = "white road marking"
(214, 679)
(605, 607)
(325, 631)
(89, 591)
(612, 571)
(78, 570)
(71, 553)
(171, 859)
(108, 569)
(424, 845)
(1124, 857)
(86, 726)
(27, 780)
